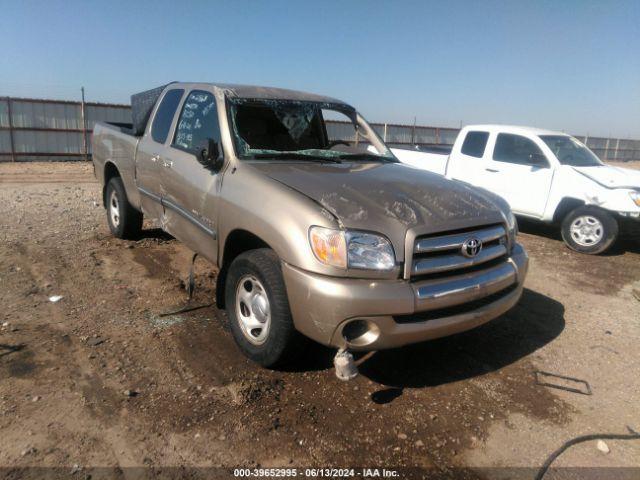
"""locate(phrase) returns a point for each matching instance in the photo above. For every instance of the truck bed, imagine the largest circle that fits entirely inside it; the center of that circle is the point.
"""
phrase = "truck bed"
(115, 143)
(433, 162)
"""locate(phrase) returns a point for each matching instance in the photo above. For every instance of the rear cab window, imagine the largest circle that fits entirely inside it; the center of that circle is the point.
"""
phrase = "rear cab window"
(511, 148)
(164, 115)
(475, 143)
(198, 122)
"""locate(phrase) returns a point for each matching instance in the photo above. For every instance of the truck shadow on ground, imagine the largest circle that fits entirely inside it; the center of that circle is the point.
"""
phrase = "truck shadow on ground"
(533, 323)
(538, 228)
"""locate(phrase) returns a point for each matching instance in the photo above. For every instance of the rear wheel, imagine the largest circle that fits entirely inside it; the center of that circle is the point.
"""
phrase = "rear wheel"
(258, 308)
(124, 220)
(589, 230)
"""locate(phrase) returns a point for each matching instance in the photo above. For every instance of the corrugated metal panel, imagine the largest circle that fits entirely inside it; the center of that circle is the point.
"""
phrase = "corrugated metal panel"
(448, 135)
(625, 155)
(340, 131)
(425, 135)
(26, 141)
(627, 144)
(5, 141)
(379, 129)
(106, 114)
(596, 143)
(45, 115)
(4, 113)
(398, 134)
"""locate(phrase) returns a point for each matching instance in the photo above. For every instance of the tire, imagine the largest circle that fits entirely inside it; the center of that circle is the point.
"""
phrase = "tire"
(124, 220)
(254, 276)
(589, 230)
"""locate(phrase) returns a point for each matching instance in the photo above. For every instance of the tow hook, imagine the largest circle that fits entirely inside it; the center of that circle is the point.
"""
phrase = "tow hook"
(346, 368)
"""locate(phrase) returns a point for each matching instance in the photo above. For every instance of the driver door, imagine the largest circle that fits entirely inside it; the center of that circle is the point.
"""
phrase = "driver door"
(191, 190)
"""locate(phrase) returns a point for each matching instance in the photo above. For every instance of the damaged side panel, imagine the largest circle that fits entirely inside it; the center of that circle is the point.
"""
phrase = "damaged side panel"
(190, 192)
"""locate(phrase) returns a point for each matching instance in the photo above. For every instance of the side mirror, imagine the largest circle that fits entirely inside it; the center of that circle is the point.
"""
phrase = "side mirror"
(538, 160)
(210, 155)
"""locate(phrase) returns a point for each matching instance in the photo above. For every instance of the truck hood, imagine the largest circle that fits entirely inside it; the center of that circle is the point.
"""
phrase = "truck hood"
(388, 198)
(612, 177)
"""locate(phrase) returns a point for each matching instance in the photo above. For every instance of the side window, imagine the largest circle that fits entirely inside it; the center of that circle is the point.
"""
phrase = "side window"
(515, 149)
(164, 115)
(198, 121)
(474, 144)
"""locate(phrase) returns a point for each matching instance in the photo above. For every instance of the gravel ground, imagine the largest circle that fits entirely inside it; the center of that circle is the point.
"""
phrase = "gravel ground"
(100, 379)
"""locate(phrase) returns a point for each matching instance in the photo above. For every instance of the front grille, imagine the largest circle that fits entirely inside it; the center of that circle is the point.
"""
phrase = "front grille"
(441, 254)
(456, 309)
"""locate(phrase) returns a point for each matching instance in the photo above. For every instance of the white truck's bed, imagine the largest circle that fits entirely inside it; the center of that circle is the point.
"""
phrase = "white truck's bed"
(434, 162)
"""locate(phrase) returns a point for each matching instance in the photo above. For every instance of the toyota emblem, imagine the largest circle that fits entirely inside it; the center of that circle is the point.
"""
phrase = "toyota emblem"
(471, 247)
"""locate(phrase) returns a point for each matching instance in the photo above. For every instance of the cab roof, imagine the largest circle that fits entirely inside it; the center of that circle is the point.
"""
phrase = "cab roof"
(517, 129)
(266, 93)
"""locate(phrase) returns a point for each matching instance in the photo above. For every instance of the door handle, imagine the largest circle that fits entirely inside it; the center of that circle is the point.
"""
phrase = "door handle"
(491, 170)
(155, 158)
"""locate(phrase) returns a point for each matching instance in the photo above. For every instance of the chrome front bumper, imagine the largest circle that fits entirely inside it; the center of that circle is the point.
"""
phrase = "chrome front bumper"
(402, 312)
(436, 294)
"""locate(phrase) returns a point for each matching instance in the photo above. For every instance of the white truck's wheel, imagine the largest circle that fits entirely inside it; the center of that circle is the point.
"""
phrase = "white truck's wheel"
(589, 230)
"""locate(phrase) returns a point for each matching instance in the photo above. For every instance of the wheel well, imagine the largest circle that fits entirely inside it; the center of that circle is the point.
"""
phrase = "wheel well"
(564, 207)
(110, 171)
(238, 242)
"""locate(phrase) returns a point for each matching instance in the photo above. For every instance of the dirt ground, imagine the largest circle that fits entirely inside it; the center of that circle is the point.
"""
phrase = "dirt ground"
(101, 379)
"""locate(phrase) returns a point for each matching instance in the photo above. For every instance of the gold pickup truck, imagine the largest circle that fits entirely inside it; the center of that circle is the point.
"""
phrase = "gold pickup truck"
(312, 234)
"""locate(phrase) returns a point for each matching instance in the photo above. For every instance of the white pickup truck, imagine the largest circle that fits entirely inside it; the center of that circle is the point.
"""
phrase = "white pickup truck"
(544, 175)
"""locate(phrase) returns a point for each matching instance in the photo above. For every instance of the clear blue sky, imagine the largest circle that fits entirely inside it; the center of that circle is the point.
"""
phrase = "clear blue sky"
(568, 65)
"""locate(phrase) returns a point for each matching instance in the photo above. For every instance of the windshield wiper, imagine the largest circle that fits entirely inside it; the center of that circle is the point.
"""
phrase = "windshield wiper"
(297, 156)
(366, 156)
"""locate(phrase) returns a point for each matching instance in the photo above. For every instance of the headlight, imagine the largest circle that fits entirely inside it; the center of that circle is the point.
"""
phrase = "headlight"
(635, 196)
(351, 249)
(370, 251)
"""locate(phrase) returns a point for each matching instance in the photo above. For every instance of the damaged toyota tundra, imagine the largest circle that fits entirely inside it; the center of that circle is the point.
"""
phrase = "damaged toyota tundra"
(315, 227)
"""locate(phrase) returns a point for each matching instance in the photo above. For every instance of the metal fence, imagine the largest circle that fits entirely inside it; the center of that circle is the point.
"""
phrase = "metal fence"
(55, 130)
(52, 130)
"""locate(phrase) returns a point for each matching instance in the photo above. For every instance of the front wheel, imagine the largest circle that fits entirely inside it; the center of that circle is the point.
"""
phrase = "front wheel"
(589, 230)
(258, 308)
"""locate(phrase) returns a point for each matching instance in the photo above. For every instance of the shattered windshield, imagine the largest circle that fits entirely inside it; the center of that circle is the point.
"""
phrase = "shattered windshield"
(570, 151)
(297, 130)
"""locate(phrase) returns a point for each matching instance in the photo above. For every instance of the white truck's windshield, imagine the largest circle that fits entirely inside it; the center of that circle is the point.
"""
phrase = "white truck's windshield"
(570, 151)
(285, 129)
